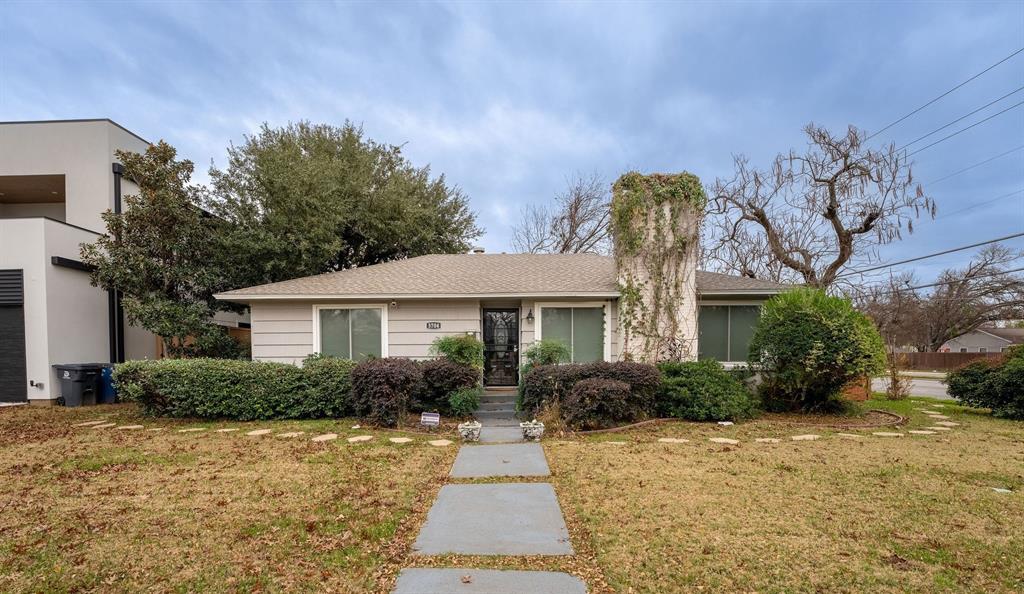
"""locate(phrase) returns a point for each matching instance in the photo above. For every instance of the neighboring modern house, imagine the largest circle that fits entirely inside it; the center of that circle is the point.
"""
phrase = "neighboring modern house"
(399, 308)
(56, 180)
(985, 340)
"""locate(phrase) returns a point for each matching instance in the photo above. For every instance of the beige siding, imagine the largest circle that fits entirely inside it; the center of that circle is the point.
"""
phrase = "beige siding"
(282, 331)
(408, 335)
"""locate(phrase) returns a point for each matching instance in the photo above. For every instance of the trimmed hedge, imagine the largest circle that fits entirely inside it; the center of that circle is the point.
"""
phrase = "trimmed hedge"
(996, 385)
(597, 403)
(550, 384)
(441, 378)
(330, 386)
(223, 388)
(383, 389)
(703, 391)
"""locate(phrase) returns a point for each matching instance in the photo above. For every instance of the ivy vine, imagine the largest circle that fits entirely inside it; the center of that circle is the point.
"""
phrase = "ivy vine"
(655, 225)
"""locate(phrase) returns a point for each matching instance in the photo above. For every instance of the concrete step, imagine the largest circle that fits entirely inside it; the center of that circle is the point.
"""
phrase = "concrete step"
(498, 397)
(495, 414)
(491, 405)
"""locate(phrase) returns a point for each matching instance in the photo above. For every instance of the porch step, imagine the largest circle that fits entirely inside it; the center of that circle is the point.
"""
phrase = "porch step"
(497, 406)
(495, 415)
(498, 397)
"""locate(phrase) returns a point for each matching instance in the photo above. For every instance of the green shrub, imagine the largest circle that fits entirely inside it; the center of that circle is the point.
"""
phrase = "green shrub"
(997, 385)
(383, 389)
(464, 402)
(330, 386)
(219, 388)
(465, 349)
(547, 352)
(808, 345)
(546, 385)
(703, 391)
(596, 403)
(441, 378)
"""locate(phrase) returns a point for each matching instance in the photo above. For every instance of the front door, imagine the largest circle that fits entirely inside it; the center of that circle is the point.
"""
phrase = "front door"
(501, 347)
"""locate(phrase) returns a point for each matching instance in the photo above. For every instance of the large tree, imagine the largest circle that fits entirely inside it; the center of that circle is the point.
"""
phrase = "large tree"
(163, 254)
(811, 214)
(305, 199)
(576, 223)
(961, 300)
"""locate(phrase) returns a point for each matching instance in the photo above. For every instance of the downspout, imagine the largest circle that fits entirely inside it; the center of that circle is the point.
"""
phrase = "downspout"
(115, 311)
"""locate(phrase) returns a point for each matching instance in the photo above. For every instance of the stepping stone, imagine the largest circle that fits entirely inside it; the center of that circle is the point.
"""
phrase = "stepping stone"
(808, 437)
(509, 459)
(191, 429)
(921, 432)
(227, 430)
(939, 428)
(1001, 490)
(614, 442)
(290, 434)
(494, 519)
(325, 437)
(493, 434)
(104, 425)
(360, 438)
(887, 434)
(486, 581)
(130, 427)
(767, 440)
(849, 435)
(724, 440)
(399, 439)
(947, 423)
(937, 417)
(156, 428)
(87, 423)
(931, 412)
(440, 443)
(260, 432)
(673, 440)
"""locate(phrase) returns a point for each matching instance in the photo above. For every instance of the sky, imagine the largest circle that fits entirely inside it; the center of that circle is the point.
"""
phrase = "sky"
(509, 100)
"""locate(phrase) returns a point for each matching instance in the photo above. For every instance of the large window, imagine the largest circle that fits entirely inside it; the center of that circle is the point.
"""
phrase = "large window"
(725, 331)
(582, 329)
(351, 332)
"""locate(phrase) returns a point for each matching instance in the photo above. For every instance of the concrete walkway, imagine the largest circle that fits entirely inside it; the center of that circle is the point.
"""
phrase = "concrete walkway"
(511, 518)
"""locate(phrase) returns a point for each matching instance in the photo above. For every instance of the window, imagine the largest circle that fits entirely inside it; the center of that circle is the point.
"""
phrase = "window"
(963, 349)
(351, 332)
(582, 329)
(724, 331)
(982, 350)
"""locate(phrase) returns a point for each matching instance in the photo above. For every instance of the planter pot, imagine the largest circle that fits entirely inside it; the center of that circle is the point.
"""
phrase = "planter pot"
(470, 431)
(532, 430)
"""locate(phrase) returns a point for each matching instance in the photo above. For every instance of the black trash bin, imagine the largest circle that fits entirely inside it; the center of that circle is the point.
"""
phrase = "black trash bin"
(80, 383)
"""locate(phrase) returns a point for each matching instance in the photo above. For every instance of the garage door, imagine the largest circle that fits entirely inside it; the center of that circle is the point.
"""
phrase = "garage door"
(12, 337)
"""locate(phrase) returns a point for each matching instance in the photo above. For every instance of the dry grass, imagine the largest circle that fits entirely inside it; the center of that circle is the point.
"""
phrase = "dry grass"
(129, 511)
(916, 513)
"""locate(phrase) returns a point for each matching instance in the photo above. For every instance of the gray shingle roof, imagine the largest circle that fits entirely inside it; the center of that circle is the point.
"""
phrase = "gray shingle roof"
(457, 275)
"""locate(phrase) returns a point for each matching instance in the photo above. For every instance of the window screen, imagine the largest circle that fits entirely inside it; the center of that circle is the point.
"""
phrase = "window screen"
(724, 331)
(351, 333)
(580, 328)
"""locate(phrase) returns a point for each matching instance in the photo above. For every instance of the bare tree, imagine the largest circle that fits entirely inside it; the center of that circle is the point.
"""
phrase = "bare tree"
(576, 223)
(962, 300)
(812, 214)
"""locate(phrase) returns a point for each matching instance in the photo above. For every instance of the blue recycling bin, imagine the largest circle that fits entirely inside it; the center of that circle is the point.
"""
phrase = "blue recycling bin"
(108, 394)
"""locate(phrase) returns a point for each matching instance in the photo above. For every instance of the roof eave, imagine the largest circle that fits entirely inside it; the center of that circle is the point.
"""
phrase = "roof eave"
(247, 297)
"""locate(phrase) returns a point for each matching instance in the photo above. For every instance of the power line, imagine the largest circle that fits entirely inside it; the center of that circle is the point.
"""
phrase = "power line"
(979, 122)
(946, 93)
(949, 282)
(963, 117)
(979, 204)
(925, 257)
(968, 168)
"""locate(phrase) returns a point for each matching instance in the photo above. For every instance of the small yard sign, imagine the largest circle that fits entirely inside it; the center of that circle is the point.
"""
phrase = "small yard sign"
(430, 419)
(433, 325)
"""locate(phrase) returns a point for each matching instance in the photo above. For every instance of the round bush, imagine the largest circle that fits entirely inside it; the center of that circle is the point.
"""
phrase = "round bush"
(996, 385)
(465, 349)
(808, 345)
(442, 377)
(550, 384)
(703, 391)
(464, 402)
(596, 403)
(382, 389)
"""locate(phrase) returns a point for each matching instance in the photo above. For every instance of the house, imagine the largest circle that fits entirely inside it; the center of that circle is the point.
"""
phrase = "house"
(399, 308)
(56, 180)
(987, 339)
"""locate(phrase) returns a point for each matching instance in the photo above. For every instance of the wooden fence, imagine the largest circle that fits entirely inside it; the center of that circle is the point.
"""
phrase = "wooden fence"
(942, 361)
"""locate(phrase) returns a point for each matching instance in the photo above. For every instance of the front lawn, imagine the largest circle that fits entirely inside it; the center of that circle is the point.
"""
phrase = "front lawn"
(85, 509)
(837, 514)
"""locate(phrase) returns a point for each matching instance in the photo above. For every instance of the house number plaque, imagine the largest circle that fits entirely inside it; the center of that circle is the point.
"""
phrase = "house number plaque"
(433, 325)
